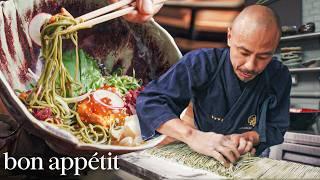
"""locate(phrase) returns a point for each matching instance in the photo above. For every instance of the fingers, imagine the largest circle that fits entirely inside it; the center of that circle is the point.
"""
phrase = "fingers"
(227, 153)
(253, 151)
(216, 155)
(144, 12)
(156, 9)
(248, 147)
(145, 7)
(145, 18)
(233, 147)
(235, 138)
(112, 1)
(242, 145)
(136, 18)
(229, 142)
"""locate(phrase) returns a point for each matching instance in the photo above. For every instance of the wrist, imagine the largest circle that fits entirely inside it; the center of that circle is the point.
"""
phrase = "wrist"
(177, 129)
(189, 135)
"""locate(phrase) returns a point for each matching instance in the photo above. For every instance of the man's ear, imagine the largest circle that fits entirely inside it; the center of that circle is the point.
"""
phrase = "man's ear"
(229, 36)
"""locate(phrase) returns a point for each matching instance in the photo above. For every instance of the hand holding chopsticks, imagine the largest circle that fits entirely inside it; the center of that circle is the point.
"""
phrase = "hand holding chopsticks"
(145, 10)
(107, 13)
(112, 11)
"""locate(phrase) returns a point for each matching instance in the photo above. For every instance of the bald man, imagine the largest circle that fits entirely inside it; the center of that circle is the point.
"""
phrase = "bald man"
(240, 94)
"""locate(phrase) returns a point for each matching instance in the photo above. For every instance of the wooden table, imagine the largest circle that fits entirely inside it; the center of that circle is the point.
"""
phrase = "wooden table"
(196, 5)
(145, 166)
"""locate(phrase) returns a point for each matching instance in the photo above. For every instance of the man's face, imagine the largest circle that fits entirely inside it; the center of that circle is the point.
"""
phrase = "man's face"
(251, 51)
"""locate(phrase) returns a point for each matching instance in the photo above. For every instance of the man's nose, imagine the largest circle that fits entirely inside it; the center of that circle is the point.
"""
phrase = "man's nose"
(251, 63)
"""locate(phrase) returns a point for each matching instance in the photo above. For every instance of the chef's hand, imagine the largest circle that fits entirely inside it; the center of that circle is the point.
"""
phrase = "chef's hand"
(144, 11)
(245, 141)
(215, 145)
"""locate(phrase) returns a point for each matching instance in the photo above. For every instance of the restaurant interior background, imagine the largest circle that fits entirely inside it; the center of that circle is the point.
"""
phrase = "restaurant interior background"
(198, 24)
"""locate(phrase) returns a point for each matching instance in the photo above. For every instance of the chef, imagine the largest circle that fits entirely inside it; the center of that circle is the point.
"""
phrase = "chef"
(240, 94)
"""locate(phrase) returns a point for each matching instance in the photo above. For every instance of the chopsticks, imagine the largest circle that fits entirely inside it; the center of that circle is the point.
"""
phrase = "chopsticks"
(104, 10)
(93, 18)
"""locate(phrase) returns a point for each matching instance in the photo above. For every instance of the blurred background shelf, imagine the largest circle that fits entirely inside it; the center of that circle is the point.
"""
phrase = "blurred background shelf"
(199, 23)
(301, 36)
(189, 45)
(313, 69)
(208, 20)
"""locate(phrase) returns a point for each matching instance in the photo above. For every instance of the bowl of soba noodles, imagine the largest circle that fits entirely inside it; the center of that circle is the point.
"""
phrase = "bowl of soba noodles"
(77, 89)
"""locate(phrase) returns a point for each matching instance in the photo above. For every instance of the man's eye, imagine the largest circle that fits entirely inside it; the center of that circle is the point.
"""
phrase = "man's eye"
(244, 53)
(264, 57)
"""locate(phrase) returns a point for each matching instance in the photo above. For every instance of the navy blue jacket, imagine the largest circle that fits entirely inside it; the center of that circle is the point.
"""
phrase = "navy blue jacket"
(206, 78)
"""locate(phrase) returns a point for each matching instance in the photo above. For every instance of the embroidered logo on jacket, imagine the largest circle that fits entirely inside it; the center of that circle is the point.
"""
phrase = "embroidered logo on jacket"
(252, 120)
(217, 118)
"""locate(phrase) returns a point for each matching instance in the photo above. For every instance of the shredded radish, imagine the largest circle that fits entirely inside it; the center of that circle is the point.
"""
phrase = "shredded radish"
(33, 75)
(78, 98)
(116, 101)
(63, 104)
(35, 26)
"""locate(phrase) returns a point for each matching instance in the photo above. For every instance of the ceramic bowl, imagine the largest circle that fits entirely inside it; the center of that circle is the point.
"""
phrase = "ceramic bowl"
(147, 48)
